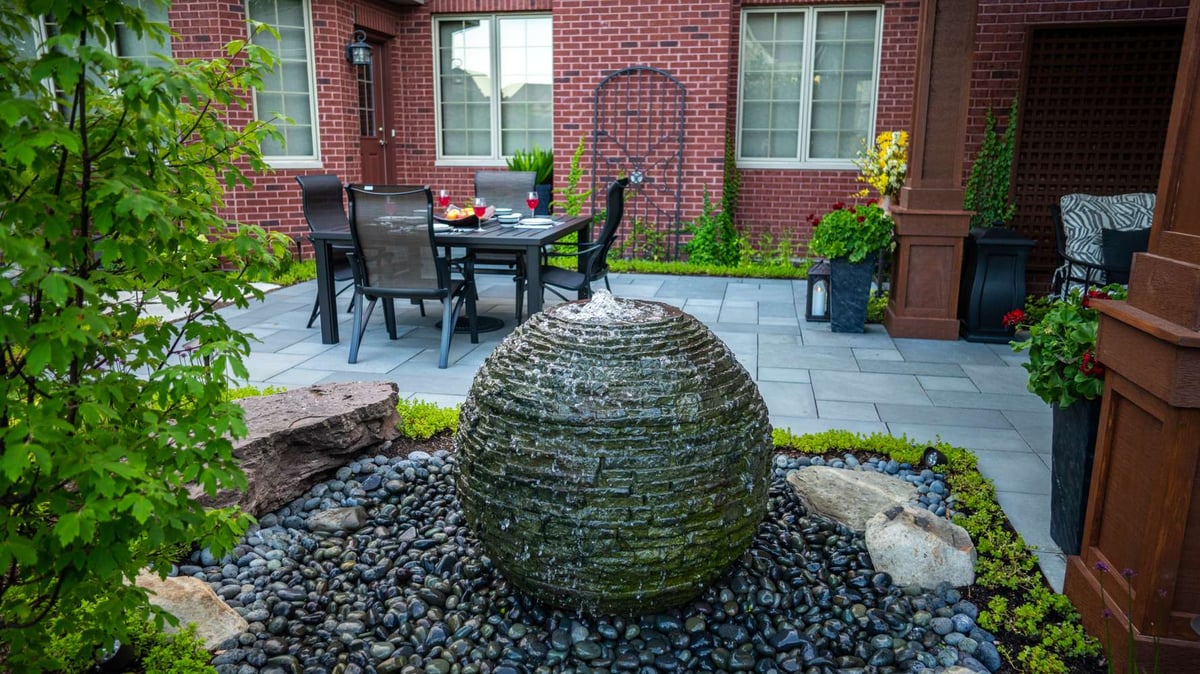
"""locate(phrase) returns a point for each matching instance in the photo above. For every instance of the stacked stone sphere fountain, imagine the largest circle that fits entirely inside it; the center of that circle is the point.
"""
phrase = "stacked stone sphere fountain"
(614, 456)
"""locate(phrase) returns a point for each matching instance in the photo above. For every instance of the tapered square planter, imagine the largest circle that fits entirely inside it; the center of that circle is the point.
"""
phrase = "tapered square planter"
(1073, 448)
(850, 284)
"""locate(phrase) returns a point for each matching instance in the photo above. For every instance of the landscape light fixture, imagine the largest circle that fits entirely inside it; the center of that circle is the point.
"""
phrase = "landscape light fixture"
(359, 52)
(816, 304)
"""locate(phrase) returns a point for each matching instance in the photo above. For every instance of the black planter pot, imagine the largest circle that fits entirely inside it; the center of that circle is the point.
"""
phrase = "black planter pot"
(545, 194)
(850, 288)
(1073, 446)
(993, 283)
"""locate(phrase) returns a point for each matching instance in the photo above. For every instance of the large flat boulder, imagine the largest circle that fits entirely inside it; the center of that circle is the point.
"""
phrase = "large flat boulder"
(193, 601)
(297, 438)
(849, 497)
(917, 547)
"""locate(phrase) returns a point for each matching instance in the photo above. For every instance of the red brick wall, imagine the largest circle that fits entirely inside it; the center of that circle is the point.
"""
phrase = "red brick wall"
(696, 42)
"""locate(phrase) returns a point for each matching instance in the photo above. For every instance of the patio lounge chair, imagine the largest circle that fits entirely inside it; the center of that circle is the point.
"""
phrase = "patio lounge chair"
(321, 196)
(596, 252)
(1096, 237)
(395, 258)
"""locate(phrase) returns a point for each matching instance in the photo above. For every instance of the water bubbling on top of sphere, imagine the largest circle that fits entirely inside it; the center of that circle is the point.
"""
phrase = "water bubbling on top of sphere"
(604, 309)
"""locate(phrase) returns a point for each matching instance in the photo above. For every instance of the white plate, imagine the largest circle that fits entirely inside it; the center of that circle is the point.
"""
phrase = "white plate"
(537, 222)
(441, 227)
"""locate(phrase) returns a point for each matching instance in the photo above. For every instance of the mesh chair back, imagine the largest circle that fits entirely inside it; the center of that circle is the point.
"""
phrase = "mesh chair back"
(614, 211)
(393, 239)
(322, 198)
(505, 189)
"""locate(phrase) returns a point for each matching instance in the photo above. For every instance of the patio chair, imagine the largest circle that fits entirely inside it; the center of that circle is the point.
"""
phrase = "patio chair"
(596, 252)
(395, 258)
(504, 189)
(321, 196)
(1096, 237)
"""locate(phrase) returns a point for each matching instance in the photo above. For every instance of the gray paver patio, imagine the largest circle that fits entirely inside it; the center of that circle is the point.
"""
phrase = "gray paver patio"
(970, 395)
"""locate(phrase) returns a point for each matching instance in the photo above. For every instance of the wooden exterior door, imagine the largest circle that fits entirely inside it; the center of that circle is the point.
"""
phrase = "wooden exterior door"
(374, 116)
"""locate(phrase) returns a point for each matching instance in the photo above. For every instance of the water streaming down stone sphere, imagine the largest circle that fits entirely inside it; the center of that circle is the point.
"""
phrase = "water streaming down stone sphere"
(613, 456)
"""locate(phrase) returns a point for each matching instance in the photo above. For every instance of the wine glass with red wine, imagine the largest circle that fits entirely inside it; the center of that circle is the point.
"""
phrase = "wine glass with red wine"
(480, 210)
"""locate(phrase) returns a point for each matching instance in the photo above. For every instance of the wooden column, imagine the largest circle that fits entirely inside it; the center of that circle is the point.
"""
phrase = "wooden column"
(1143, 513)
(930, 222)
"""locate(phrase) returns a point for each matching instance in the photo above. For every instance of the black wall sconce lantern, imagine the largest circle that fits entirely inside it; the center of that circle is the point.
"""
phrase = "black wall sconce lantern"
(816, 304)
(359, 52)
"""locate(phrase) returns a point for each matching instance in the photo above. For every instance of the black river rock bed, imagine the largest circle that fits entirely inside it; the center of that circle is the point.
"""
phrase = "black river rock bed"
(410, 591)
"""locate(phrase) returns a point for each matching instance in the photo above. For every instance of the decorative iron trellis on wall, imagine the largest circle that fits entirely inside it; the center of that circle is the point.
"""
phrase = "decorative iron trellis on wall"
(638, 132)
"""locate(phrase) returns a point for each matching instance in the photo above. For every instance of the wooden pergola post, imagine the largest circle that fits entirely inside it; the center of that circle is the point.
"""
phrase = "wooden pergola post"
(1141, 537)
(931, 224)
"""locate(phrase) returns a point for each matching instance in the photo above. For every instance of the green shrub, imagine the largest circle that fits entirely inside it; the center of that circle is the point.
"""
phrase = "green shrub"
(742, 270)
(116, 186)
(574, 197)
(422, 420)
(876, 307)
(714, 238)
(180, 653)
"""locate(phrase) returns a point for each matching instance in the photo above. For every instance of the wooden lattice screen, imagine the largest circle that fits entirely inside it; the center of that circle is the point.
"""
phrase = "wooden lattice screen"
(1093, 120)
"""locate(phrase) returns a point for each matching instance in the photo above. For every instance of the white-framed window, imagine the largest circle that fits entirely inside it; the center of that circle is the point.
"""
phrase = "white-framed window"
(807, 85)
(494, 85)
(127, 45)
(286, 95)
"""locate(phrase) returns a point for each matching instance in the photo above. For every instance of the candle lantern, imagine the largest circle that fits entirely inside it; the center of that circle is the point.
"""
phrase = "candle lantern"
(816, 304)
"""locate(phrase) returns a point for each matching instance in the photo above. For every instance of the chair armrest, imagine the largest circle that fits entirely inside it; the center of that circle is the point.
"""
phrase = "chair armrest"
(578, 252)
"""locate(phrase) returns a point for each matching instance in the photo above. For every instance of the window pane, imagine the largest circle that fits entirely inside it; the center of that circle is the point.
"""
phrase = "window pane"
(860, 56)
(297, 108)
(756, 116)
(823, 145)
(860, 26)
(287, 90)
(786, 87)
(454, 143)
(831, 26)
(825, 115)
(784, 144)
(785, 115)
(479, 143)
(754, 143)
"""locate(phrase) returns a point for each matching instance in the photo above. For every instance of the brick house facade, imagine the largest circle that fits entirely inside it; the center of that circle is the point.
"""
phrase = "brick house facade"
(696, 42)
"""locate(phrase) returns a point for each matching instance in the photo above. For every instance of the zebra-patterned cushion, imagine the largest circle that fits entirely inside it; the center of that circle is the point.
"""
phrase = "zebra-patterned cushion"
(1085, 217)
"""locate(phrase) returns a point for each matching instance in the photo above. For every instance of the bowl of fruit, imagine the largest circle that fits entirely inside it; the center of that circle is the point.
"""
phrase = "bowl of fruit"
(458, 217)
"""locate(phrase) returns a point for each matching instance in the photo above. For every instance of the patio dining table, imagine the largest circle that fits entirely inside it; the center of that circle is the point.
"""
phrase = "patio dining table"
(529, 240)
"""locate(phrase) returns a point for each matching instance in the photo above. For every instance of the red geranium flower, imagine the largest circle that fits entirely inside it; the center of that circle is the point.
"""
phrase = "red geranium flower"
(1091, 367)
(1093, 294)
(1013, 318)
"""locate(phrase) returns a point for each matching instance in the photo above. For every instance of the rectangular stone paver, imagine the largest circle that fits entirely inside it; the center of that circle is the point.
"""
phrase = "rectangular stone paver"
(830, 409)
(942, 416)
(867, 387)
